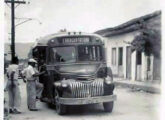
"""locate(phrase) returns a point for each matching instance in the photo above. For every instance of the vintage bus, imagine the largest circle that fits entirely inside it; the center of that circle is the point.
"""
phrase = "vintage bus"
(76, 70)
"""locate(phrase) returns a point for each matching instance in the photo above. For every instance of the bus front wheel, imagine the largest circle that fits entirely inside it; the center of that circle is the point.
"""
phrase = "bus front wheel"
(108, 106)
(61, 109)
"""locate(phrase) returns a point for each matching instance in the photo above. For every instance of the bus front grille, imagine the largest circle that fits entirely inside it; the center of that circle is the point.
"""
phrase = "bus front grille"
(81, 89)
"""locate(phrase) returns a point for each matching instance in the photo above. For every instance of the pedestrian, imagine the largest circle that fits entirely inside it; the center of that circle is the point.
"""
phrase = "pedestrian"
(13, 87)
(34, 88)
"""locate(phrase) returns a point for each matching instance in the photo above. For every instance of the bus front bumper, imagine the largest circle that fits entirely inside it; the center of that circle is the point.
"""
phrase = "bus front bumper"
(87, 100)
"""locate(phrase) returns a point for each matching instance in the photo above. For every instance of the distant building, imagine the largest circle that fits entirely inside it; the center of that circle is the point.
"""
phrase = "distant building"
(127, 64)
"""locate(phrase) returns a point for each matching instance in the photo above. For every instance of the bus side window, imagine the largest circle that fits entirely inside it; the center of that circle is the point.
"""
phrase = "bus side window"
(42, 55)
(51, 57)
(35, 53)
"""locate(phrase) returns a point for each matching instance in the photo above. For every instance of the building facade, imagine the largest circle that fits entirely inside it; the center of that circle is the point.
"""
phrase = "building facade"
(125, 63)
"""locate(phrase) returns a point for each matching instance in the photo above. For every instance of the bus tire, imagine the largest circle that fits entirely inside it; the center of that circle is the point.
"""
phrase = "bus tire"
(60, 109)
(108, 106)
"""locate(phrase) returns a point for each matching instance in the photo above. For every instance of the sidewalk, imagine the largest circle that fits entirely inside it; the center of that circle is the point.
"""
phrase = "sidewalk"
(139, 85)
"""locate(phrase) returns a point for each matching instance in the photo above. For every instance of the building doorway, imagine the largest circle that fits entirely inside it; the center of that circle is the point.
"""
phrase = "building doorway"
(138, 66)
(120, 62)
(128, 62)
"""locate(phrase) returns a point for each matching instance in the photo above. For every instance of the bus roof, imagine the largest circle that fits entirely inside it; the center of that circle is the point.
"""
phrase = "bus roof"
(44, 40)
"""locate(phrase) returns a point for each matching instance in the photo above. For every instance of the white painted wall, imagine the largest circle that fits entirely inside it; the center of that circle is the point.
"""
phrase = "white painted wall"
(122, 41)
(119, 41)
(144, 67)
(133, 66)
(116, 42)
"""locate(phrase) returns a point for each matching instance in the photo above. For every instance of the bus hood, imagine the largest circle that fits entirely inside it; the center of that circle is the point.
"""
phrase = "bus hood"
(78, 69)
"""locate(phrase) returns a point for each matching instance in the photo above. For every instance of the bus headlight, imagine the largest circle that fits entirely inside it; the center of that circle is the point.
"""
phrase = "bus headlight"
(57, 84)
(108, 80)
(61, 85)
(64, 85)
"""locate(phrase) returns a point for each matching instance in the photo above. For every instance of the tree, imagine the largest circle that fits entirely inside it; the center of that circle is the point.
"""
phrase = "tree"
(148, 41)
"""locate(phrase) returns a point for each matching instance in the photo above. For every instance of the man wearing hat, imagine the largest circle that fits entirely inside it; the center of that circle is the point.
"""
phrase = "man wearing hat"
(34, 88)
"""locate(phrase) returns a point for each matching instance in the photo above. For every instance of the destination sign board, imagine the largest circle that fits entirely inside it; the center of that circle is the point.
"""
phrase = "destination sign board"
(67, 40)
(76, 40)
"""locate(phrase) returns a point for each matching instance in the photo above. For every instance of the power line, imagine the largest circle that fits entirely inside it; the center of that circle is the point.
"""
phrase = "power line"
(26, 20)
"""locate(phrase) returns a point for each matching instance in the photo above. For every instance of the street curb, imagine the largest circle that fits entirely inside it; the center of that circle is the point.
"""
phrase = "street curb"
(146, 88)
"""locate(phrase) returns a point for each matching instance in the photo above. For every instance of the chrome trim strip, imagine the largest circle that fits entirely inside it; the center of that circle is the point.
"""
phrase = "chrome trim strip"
(87, 100)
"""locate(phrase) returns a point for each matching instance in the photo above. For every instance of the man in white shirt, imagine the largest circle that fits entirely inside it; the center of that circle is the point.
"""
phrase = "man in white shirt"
(13, 87)
(34, 88)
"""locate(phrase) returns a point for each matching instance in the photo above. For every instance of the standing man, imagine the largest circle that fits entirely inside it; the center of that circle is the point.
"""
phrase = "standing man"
(13, 87)
(34, 88)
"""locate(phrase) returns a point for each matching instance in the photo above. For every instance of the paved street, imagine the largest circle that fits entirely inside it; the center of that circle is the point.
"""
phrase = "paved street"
(130, 105)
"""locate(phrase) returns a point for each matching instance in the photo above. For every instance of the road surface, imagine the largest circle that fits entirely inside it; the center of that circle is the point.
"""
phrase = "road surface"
(130, 105)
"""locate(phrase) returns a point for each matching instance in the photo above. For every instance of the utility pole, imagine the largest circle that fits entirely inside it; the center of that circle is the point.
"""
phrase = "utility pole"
(13, 2)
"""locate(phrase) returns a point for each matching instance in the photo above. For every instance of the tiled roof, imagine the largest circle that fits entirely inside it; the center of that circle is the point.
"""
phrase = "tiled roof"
(127, 27)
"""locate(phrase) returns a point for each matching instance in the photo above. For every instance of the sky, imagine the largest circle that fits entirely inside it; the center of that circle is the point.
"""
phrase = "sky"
(74, 15)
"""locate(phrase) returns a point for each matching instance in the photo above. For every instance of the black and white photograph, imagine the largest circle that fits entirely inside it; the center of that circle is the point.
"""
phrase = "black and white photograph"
(82, 59)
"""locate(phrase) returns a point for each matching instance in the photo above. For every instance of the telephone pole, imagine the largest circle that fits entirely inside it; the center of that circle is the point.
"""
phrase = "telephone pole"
(13, 2)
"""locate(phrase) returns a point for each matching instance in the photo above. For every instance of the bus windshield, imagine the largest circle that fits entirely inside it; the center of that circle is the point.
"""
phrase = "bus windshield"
(90, 53)
(62, 54)
(68, 53)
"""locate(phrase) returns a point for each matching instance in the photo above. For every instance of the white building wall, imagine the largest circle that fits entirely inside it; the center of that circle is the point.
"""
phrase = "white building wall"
(116, 42)
(144, 67)
(152, 67)
(124, 61)
(133, 66)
